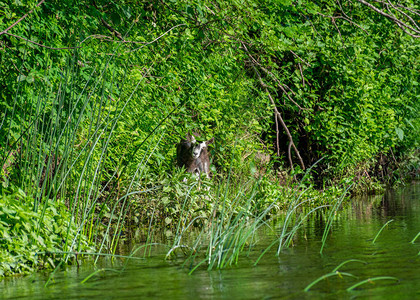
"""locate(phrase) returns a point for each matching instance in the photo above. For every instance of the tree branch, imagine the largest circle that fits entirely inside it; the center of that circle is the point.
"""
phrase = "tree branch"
(407, 28)
(275, 78)
(38, 44)
(278, 136)
(158, 37)
(23, 17)
(344, 18)
(109, 39)
(306, 63)
(283, 124)
(110, 28)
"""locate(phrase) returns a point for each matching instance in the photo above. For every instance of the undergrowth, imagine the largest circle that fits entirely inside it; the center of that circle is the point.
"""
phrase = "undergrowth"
(36, 240)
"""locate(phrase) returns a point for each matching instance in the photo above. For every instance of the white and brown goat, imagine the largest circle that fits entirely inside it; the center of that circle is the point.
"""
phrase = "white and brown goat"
(194, 156)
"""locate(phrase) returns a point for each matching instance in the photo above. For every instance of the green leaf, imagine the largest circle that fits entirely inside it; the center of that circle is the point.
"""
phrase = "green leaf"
(30, 78)
(165, 200)
(400, 133)
(127, 11)
(252, 167)
(21, 78)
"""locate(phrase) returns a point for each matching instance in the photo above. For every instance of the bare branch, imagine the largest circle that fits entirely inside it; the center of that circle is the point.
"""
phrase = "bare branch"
(23, 17)
(283, 124)
(148, 43)
(210, 10)
(306, 63)
(94, 36)
(38, 44)
(278, 136)
(344, 18)
(110, 28)
(277, 113)
(404, 14)
(301, 74)
(274, 77)
(407, 28)
(410, 9)
(339, 32)
(109, 39)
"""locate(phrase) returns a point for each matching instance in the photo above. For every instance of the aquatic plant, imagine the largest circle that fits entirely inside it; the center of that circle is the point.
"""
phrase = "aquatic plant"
(336, 272)
(415, 238)
(100, 271)
(228, 231)
(330, 219)
(231, 228)
(371, 280)
(380, 230)
(325, 276)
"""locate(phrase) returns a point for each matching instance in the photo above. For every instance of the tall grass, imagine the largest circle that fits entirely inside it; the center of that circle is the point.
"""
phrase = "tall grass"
(61, 150)
(230, 229)
(330, 218)
(233, 226)
(67, 146)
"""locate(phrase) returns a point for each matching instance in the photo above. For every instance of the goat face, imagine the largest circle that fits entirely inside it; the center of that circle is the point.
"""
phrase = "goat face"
(194, 156)
(198, 149)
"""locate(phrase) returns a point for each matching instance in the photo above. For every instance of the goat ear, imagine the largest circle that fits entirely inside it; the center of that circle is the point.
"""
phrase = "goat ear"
(210, 141)
(191, 139)
(188, 137)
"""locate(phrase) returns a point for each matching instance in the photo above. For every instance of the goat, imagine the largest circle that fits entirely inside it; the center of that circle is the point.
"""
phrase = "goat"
(194, 156)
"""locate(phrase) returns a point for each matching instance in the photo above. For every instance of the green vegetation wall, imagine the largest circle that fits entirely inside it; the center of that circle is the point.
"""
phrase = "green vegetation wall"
(301, 79)
(95, 95)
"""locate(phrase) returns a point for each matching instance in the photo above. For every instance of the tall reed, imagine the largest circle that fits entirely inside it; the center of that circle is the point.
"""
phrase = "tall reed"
(63, 148)
(330, 219)
(232, 227)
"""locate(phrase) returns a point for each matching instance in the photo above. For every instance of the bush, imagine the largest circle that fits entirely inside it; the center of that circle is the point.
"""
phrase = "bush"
(35, 239)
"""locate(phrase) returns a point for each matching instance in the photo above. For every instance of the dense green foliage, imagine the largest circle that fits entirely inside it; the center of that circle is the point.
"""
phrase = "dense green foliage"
(353, 82)
(33, 240)
(94, 95)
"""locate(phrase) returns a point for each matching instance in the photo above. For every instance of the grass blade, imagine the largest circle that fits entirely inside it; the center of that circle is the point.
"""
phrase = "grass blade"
(380, 230)
(336, 273)
(371, 280)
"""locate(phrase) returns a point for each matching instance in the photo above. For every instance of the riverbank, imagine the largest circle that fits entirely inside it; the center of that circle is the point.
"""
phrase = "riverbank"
(94, 99)
(349, 246)
(227, 211)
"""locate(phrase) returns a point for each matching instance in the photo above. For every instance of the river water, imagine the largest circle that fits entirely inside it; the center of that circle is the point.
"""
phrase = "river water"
(275, 277)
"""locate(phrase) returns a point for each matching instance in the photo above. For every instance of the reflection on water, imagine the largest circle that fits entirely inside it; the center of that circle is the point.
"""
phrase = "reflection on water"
(275, 277)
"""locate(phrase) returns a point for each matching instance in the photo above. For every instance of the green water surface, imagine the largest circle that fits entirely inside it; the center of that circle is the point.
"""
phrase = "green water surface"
(275, 277)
